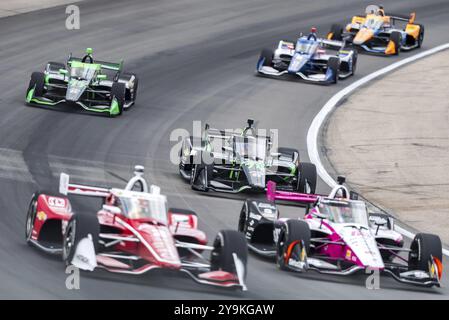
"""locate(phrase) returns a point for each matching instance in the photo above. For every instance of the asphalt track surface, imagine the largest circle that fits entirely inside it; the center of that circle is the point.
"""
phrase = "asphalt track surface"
(196, 61)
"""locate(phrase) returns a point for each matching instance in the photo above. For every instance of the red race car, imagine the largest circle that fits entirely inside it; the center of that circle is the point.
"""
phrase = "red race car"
(133, 233)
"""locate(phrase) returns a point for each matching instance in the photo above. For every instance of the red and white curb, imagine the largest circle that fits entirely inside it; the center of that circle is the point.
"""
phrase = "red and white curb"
(312, 134)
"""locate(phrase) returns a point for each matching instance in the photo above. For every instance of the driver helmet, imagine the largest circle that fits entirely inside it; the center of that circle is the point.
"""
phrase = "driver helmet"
(312, 35)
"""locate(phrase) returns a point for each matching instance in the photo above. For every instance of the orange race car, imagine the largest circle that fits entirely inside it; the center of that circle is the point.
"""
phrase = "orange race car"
(380, 33)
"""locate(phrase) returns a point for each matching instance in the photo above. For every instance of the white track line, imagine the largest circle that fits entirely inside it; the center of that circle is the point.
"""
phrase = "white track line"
(312, 134)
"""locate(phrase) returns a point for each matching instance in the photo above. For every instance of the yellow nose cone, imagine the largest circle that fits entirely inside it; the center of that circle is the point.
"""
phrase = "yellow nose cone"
(363, 36)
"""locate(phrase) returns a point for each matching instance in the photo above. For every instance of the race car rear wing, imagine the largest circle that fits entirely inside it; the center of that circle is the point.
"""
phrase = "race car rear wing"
(226, 134)
(65, 187)
(114, 66)
(338, 192)
(399, 17)
(333, 44)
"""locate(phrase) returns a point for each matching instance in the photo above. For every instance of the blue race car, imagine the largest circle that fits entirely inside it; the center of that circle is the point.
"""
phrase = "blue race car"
(311, 59)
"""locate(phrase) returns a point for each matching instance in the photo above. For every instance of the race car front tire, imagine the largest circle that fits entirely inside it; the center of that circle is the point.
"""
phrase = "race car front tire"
(80, 226)
(307, 177)
(226, 243)
(243, 218)
(118, 96)
(31, 217)
(423, 247)
(421, 35)
(267, 56)
(334, 65)
(199, 178)
(293, 237)
(396, 38)
(37, 83)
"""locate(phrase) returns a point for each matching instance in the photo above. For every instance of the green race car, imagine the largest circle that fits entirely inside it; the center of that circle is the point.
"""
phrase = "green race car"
(96, 86)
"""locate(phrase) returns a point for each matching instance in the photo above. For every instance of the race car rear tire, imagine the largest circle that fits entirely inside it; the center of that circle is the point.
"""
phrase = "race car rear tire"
(295, 234)
(423, 247)
(118, 91)
(336, 32)
(79, 226)
(267, 56)
(225, 244)
(307, 177)
(37, 82)
(334, 64)
(354, 61)
(396, 37)
(421, 35)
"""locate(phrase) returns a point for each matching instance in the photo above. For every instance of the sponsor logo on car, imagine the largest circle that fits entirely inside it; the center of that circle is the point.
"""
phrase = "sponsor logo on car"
(255, 216)
(41, 216)
(56, 202)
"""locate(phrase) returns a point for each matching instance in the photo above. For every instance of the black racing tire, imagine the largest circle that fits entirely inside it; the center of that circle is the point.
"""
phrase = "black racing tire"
(354, 61)
(199, 178)
(243, 218)
(334, 64)
(136, 86)
(396, 37)
(293, 233)
(201, 173)
(118, 91)
(307, 178)
(267, 55)
(37, 82)
(79, 227)
(31, 217)
(337, 32)
(421, 35)
(290, 152)
(423, 247)
(225, 244)
(55, 66)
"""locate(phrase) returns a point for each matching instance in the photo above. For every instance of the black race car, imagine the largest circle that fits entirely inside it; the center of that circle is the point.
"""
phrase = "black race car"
(96, 86)
(237, 161)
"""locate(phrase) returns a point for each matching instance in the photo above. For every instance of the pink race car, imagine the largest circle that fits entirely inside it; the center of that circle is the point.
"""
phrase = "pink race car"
(338, 236)
(133, 233)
